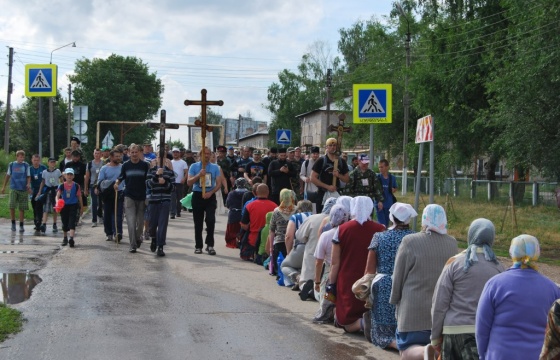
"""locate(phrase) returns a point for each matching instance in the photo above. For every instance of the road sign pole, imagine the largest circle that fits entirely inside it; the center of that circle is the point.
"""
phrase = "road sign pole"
(40, 150)
(51, 128)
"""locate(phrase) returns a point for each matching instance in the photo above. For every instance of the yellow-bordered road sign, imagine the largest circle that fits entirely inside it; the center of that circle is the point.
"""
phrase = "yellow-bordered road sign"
(40, 80)
(373, 103)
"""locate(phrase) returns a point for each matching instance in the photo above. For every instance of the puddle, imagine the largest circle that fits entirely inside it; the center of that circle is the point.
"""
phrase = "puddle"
(17, 287)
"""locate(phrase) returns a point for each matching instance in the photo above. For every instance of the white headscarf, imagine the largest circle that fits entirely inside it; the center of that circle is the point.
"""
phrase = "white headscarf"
(361, 208)
(344, 201)
(401, 211)
(338, 215)
(434, 219)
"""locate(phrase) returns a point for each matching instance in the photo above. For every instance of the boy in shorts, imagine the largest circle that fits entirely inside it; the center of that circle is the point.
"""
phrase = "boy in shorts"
(20, 185)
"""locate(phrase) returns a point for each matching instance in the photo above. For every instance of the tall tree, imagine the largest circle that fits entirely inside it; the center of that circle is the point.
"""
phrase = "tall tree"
(117, 89)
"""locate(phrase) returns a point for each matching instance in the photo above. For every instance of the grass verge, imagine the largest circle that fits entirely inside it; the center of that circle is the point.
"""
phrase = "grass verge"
(11, 321)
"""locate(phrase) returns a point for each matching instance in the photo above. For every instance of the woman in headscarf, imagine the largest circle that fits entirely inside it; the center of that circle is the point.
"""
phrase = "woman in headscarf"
(513, 307)
(419, 262)
(341, 200)
(323, 253)
(233, 203)
(457, 292)
(379, 322)
(291, 266)
(308, 233)
(279, 223)
(348, 261)
(551, 346)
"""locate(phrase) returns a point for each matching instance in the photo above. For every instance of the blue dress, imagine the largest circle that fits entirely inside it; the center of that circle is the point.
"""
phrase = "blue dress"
(383, 320)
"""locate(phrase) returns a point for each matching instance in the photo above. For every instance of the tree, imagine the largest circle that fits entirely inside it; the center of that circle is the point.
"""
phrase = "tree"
(117, 89)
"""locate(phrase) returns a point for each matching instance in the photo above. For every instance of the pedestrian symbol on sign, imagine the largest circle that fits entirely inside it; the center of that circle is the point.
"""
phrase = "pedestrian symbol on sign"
(372, 105)
(40, 82)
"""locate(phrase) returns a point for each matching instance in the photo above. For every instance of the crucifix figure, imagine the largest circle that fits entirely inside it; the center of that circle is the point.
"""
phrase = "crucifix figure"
(162, 125)
(339, 129)
(202, 123)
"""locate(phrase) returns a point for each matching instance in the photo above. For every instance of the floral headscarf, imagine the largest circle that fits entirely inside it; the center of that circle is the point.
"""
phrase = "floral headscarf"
(361, 208)
(328, 205)
(481, 234)
(434, 219)
(338, 215)
(524, 250)
(287, 201)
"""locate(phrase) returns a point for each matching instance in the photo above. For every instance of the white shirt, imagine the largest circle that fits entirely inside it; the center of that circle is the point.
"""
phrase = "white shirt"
(179, 168)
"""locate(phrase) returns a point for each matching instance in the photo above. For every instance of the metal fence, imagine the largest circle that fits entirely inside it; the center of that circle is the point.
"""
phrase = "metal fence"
(524, 193)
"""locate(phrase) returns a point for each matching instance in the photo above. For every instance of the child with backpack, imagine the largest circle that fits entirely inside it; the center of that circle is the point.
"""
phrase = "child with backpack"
(71, 193)
(20, 188)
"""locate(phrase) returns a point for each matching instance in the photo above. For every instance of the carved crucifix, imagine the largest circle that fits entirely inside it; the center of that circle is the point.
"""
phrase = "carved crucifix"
(202, 123)
(162, 125)
(339, 129)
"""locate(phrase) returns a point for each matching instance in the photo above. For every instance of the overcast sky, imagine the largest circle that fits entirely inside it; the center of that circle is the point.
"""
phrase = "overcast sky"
(234, 49)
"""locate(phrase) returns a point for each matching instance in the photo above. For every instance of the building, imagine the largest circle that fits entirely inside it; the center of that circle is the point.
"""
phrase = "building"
(257, 140)
(241, 127)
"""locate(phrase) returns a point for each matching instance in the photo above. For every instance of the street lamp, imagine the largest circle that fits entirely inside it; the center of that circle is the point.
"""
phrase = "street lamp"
(51, 116)
(406, 100)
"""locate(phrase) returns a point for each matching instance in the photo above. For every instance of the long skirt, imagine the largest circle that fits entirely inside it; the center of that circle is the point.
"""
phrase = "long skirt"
(231, 234)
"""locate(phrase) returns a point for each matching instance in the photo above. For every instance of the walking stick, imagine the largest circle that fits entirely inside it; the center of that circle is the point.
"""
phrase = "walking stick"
(116, 220)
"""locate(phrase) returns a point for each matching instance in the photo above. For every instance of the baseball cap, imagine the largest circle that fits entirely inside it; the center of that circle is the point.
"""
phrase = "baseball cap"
(69, 171)
(297, 148)
(175, 149)
(331, 141)
(76, 140)
(230, 148)
(291, 149)
(363, 158)
(105, 148)
(257, 152)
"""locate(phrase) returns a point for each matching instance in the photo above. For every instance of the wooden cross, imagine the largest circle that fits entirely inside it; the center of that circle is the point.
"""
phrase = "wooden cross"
(162, 125)
(202, 124)
(339, 129)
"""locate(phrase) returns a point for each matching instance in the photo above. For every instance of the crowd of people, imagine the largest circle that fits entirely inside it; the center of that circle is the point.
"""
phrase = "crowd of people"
(329, 230)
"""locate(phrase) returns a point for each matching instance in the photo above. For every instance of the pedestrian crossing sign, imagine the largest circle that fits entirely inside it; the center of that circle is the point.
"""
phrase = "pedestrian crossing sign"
(373, 103)
(40, 80)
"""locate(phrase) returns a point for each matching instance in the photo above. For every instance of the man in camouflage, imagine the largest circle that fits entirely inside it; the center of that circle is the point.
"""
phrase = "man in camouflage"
(364, 182)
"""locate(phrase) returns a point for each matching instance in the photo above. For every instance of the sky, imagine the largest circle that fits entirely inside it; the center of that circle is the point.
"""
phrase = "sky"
(234, 49)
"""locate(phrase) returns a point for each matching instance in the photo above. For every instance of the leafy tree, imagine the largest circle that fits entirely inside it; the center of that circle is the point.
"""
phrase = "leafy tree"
(117, 89)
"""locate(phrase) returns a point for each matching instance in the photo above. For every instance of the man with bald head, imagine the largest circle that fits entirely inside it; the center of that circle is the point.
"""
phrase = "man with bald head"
(253, 220)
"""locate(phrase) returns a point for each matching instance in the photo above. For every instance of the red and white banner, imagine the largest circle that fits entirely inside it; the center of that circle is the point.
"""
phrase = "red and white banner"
(425, 129)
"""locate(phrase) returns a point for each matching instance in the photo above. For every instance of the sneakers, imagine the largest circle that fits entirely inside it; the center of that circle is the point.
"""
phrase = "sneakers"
(153, 245)
(429, 352)
(109, 238)
(43, 229)
(132, 250)
(71, 242)
(198, 251)
(21, 229)
(64, 242)
(93, 224)
(210, 250)
(160, 251)
(54, 228)
(307, 291)
(13, 226)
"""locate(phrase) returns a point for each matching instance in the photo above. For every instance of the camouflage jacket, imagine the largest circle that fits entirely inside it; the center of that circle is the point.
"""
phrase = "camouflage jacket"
(295, 181)
(365, 184)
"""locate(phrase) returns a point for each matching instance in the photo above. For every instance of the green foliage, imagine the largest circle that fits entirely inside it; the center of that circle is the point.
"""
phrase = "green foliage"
(11, 321)
(117, 89)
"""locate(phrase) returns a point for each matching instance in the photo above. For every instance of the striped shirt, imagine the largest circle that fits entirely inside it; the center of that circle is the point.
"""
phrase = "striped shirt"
(160, 192)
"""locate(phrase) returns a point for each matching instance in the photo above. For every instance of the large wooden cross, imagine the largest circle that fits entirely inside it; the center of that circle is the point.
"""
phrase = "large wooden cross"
(339, 129)
(202, 124)
(162, 125)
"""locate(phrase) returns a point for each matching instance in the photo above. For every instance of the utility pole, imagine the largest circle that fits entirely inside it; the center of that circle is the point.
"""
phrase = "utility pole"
(329, 84)
(69, 125)
(8, 103)
(239, 129)
(406, 101)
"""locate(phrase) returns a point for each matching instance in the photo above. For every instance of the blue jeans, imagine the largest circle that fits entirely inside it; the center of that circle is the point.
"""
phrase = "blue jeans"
(109, 215)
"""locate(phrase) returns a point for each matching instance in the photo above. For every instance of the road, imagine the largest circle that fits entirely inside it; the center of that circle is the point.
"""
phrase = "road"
(98, 301)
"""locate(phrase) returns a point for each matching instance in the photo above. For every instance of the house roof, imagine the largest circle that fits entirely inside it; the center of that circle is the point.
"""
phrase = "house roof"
(261, 132)
(334, 107)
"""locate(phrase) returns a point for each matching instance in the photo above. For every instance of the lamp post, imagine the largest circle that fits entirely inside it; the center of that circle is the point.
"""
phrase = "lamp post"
(406, 100)
(51, 116)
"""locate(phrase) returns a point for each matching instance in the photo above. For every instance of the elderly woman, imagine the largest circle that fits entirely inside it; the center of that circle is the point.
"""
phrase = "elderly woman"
(512, 310)
(233, 203)
(291, 265)
(323, 253)
(380, 323)
(457, 292)
(419, 262)
(279, 223)
(348, 261)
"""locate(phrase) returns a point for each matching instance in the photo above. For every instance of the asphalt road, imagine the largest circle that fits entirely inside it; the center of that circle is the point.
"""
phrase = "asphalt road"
(98, 301)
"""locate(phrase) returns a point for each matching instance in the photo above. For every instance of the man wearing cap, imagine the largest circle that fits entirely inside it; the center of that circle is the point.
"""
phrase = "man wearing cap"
(297, 155)
(180, 169)
(324, 173)
(280, 172)
(310, 190)
(231, 155)
(225, 164)
(75, 145)
(295, 180)
(364, 182)
(105, 154)
(148, 152)
(256, 168)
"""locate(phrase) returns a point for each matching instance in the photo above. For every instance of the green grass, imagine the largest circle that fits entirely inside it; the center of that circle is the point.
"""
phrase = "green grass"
(542, 222)
(11, 322)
